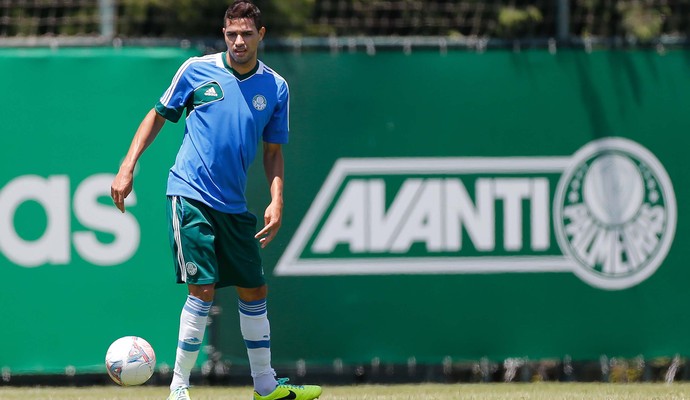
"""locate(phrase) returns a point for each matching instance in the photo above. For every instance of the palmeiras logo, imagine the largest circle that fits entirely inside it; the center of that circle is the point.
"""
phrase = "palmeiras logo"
(615, 213)
(259, 102)
(191, 268)
(607, 214)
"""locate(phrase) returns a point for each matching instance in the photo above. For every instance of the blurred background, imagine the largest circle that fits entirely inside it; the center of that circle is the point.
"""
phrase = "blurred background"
(475, 190)
(26, 22)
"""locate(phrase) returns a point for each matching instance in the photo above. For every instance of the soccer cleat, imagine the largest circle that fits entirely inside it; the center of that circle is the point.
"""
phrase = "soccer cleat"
(285, 391)
(180, 393)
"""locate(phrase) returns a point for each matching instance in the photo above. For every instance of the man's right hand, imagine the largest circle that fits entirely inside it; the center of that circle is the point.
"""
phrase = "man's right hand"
(121, 188)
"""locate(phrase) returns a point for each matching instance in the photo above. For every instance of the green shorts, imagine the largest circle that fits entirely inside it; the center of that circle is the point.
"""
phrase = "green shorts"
(209, 246)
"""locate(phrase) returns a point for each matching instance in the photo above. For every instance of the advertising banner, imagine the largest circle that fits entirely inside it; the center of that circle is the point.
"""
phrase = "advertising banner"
(464, 205)
(437, 204)
(77, 273)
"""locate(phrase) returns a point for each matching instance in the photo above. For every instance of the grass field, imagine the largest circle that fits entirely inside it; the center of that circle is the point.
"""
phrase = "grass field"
(494, 391)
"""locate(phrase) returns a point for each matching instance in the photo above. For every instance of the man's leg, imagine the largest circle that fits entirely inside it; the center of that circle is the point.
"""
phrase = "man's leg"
(256, 332)
(192, 327)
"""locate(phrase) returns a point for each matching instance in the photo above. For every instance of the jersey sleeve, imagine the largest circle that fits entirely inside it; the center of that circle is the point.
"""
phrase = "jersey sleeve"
(172, 103)
(278, 127)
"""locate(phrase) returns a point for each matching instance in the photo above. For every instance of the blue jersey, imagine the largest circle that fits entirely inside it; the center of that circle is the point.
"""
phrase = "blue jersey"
(228, 115)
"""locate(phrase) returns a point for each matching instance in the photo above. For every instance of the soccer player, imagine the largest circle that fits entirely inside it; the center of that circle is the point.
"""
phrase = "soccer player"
(232, 102)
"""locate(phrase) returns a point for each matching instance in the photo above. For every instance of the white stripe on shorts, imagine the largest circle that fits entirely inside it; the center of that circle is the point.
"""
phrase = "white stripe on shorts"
(178, 239)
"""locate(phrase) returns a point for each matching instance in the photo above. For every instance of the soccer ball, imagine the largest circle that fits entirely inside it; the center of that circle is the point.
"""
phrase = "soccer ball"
(130, 361)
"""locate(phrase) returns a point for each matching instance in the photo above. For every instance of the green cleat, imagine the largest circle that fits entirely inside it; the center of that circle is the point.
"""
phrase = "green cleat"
(285, 391)
(180, 393)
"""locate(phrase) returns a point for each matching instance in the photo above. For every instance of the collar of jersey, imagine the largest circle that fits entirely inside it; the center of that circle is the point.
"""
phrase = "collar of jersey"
(237, 74)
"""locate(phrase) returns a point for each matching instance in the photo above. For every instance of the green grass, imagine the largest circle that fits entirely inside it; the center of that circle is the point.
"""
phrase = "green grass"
(493, 391)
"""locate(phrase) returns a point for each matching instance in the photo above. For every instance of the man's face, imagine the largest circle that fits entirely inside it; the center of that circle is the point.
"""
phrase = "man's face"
(242, 39)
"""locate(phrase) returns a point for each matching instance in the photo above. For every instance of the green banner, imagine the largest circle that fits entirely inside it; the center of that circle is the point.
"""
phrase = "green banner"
(437, 204)
(78, 274)
(470, 205)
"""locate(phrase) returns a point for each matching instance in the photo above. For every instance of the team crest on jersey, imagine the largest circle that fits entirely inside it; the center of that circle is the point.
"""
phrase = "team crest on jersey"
(615, 213)
(259, 102)
(191, 268)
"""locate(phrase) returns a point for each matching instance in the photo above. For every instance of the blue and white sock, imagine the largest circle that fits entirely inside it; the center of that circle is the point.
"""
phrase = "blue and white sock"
(256, 332)
(192, 327)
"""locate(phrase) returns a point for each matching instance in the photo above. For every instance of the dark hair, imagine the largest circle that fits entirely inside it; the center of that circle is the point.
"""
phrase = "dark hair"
(244, 9)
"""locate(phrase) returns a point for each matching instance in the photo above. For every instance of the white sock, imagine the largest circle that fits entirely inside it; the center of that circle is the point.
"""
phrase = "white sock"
(192, 326)
(256, 332)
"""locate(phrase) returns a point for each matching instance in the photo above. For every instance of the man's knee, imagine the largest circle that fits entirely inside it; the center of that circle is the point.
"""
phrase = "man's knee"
(202, 292)
(252, 294)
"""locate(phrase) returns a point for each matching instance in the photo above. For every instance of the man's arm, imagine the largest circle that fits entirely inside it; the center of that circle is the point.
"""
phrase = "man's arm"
(274, 169)
(146, 133)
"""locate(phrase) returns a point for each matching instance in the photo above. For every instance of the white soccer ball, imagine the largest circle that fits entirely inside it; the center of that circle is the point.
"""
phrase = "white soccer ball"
(130, 361)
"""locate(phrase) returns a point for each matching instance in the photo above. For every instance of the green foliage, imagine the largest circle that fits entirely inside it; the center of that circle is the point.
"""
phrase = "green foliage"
(638, 20)
(286, 17)
(174, 18)
(514, 21)
(641, 21)
(86, 22)
(204, 18)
